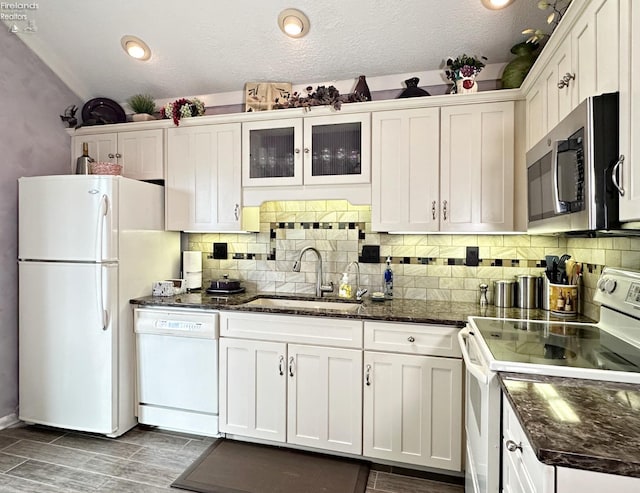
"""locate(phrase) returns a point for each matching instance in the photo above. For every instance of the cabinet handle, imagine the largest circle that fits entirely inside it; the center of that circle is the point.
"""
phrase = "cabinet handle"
(411, 339)
(111, 156)
(118, 155)
(236, 211)
(291, 366)
(513, 446)
(297, 151)
(564, 82)
(444, 210)
(433, 210)
(367, 376)
(281, 365)
(615, 175)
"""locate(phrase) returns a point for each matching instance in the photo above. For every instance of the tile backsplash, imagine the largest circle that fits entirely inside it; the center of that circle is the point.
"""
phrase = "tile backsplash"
(426, 267)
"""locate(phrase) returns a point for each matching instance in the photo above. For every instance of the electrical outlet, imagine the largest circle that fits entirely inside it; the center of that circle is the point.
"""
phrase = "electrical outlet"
(220, 251)
(472, 259)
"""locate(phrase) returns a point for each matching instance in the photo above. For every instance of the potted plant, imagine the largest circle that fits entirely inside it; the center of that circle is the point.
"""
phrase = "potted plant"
(144, 106)
(182, 108)
(462, 72)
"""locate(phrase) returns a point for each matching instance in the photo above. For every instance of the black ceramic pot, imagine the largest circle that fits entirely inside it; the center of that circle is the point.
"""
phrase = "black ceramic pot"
(412, 90)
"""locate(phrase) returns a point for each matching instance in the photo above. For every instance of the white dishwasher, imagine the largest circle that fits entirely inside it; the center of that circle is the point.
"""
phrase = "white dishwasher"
(177, 369)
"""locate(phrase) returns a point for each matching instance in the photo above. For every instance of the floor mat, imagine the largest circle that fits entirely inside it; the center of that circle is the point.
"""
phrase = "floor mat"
(229, 466)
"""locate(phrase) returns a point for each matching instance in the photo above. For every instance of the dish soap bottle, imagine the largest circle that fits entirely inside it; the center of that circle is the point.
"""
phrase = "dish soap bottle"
(388, 280)
(345, 289)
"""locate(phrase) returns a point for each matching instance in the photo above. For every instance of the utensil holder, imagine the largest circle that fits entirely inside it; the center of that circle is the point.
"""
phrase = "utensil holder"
(564, 299)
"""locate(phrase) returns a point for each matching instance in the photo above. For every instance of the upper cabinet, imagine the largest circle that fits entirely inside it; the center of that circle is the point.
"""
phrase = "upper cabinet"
(583, 60)
(140, 152)
(203, 185)
(448, 169)
(320, 150)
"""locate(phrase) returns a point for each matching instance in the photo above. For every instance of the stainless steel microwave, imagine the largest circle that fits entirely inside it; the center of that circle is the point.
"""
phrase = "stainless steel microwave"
(572, 170)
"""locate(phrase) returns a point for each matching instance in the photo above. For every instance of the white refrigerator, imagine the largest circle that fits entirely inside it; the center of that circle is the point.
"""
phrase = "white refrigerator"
(87, 244)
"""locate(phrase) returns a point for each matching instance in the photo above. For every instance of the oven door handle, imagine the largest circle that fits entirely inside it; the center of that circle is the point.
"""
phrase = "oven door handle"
(478, 371)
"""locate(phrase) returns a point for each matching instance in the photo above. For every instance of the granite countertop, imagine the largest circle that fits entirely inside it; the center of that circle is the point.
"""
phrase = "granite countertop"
(596, 425)
(397, 310)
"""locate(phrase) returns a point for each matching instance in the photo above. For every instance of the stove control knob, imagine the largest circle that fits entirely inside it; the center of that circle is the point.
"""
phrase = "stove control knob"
(601, 284)
(610, 286)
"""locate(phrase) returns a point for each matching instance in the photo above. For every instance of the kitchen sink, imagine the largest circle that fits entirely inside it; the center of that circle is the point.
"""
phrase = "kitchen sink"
(285, 303)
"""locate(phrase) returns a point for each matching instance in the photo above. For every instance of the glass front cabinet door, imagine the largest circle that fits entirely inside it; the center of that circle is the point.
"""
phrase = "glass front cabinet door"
(318, 150)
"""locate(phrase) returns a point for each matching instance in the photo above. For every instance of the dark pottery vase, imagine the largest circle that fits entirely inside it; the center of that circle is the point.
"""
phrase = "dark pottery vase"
(412, 90)
(518, 68)
(362, 88)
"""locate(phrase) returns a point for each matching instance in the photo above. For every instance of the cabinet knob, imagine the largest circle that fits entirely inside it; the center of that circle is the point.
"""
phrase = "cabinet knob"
(118, 155)
(306, 150)
(367, 376)
(297, 151)
(513, 446)
(411, 339)
(111, 156)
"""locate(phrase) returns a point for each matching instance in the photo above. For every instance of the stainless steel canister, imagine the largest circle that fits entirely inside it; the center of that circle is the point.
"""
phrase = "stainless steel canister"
(527, 291)
(504, 293)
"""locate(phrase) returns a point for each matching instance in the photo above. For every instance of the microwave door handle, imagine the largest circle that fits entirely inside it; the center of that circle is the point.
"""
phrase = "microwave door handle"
(616, 175)
(478, 371)
(554, 175)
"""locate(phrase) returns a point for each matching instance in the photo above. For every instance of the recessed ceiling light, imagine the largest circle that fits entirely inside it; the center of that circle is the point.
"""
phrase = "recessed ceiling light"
(496, 4)
(293, 23)
(135, 47)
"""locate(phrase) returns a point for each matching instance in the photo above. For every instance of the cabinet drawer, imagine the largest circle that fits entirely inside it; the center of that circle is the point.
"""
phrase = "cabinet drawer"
(532, 473)
(321, 331)
(433, 340)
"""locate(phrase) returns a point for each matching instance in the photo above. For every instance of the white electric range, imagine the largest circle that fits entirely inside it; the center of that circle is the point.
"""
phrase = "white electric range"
(608, 350)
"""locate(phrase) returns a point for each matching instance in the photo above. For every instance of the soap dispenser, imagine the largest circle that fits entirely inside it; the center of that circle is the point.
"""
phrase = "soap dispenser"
(345, 289)
(388, 280)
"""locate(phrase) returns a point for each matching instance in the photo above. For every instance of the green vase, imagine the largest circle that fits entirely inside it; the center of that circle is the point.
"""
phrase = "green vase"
(518, 68)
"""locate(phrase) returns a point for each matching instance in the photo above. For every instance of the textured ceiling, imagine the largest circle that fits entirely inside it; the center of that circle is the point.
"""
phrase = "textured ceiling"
(215, 46)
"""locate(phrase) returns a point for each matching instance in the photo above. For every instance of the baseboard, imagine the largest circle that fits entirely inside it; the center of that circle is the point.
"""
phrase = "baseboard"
(8, 421)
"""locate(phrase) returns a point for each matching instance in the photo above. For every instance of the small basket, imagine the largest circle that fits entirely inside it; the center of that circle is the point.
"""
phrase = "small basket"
(102, 168)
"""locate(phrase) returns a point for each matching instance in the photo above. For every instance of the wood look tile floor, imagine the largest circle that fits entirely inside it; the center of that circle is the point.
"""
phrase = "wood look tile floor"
(36, 459)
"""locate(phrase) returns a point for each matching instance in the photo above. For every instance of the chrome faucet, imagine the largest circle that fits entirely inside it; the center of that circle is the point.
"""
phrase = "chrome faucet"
(359, 290)
(320, 287)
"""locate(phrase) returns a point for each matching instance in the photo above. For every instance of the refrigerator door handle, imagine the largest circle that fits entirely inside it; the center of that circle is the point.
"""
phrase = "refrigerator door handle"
(103, 212)
(103, 313)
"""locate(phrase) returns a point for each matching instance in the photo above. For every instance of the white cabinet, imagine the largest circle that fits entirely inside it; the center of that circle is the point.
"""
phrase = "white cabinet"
(405, 170)
(324, 398)
(521, 469)
(572, 480)
(448, 169)
(413, 402)
(253, 386)
(630, 111)
(140, 152)
(203, 185)
(476, 167)
(585, 60)
(318, 150)
(285, 391)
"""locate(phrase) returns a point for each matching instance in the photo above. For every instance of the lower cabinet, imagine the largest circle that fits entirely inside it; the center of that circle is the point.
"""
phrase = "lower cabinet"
(412, 403)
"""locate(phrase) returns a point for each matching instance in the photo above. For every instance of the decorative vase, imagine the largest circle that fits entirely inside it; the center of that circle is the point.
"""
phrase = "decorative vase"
(412, 90)
(466, 85)
(362, 88)
(518, 68)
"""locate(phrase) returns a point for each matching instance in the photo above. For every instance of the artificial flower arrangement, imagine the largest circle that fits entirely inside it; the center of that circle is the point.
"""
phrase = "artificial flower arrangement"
(182, 108)
(558, 8)
(320, 97)
(464, 69)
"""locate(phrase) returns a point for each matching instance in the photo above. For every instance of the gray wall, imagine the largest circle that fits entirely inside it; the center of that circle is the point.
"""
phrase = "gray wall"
(32, 142)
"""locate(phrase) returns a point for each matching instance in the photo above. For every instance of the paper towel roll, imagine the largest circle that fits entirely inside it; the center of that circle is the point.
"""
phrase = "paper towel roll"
(191, 261)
